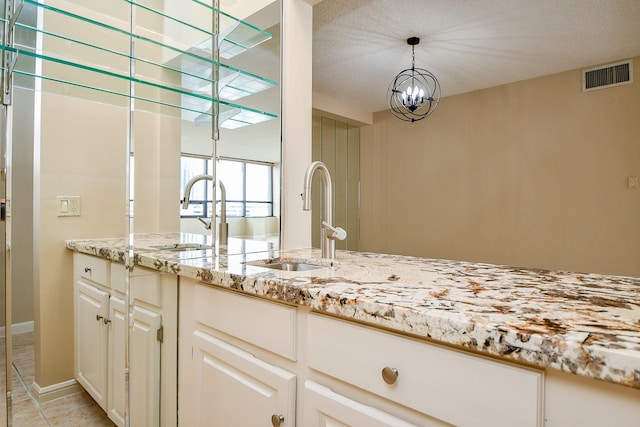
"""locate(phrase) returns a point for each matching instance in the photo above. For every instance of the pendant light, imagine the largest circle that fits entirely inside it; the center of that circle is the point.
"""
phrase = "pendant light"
(415, 92)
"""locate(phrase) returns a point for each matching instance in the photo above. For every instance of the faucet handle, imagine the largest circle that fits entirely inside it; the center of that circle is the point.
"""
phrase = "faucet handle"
(338, 233)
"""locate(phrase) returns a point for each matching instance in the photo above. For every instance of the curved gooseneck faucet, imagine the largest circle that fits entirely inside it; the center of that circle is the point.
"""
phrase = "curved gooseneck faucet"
(329, 233)
(223, 227)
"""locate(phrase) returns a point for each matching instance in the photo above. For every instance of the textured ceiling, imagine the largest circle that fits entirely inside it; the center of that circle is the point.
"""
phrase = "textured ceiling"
(360, 45)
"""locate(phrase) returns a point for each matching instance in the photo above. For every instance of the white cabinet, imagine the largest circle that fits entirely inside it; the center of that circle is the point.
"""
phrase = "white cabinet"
(226, 384)
(92, 306)
(241, 357)
(101, 337)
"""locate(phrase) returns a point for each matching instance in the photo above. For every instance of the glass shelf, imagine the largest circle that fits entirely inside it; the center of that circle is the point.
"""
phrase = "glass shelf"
(194, 102)
(167, 73)
(233, 118)
(236, 35)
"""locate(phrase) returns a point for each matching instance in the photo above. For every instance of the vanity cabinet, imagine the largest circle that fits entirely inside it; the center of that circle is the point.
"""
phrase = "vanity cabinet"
(246, 360)
(101, 337)
(239, 351)
(232, 348)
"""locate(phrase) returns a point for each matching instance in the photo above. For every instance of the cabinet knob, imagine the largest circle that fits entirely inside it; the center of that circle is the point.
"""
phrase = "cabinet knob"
(277, 420)
(389, 375)
(106, 320)
(87, 270)
(99, 318)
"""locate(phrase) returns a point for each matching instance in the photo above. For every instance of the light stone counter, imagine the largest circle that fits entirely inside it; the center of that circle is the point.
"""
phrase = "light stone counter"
(586, 324)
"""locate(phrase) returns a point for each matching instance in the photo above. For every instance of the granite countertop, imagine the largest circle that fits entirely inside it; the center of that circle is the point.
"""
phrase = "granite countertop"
(586, 324)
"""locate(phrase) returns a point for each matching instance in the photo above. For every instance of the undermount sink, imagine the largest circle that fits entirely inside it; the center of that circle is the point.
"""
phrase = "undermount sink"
(177, 247)
(291, 266)
(286, 265)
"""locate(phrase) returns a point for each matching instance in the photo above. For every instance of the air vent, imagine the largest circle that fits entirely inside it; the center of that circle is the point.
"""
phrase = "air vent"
(620, 73)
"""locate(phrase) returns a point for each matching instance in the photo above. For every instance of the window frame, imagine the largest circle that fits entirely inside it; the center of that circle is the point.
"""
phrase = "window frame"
(205, 211)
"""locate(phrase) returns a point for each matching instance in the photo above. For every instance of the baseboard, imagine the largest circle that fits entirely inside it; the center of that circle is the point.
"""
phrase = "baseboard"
(54, 391)
(18, 328)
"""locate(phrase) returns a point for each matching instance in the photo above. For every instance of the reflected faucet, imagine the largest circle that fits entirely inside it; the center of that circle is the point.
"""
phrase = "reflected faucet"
(329, 233)
(223, 228)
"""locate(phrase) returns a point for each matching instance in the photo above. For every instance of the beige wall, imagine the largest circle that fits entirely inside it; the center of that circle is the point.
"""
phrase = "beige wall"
(20, 223)
(82, 152)
(528, 174)
(297, 37)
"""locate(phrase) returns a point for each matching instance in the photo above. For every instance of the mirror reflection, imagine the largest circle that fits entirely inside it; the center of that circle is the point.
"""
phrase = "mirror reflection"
(100, 138)
(248, 154)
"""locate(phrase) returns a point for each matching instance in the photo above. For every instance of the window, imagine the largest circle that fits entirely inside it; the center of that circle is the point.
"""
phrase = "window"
(249, 187)
(199, 199)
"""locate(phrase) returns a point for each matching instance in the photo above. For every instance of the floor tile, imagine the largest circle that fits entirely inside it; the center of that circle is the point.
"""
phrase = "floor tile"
(77, 409)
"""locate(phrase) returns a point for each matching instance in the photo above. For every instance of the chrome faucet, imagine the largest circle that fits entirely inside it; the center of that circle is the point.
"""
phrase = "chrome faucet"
(223, 227)
(329, 233)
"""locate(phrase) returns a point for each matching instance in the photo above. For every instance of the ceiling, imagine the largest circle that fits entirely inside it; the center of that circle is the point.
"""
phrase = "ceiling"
(360, 45)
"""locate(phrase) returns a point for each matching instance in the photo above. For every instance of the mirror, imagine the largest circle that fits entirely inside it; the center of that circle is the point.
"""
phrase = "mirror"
(67, 179)
(98, 132)
(248, 154)
(20, 216)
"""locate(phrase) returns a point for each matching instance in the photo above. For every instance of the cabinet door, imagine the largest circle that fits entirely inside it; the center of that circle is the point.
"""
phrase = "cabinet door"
(233, 388)
(325, 408)
(116, 402)
(91, 340)
(145, 368)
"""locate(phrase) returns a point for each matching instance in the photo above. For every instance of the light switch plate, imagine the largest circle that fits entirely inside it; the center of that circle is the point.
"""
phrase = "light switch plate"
(68, 206)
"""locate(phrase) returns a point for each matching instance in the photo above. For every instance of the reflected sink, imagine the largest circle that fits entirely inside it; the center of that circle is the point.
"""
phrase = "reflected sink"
(291, 266)
(177, 247)
(285, 265)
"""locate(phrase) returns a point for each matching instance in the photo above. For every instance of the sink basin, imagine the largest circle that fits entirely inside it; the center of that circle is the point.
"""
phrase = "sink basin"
(291, 266)
(285, 265)
(177, 247)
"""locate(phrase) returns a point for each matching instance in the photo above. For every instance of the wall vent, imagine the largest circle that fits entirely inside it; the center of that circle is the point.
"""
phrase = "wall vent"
(620, 73)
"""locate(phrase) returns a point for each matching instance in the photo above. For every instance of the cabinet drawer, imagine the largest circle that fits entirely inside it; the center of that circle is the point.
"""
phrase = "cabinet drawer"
(145, 284)
(268, 325)
(452, 386)
(92, 268)
(118, 275)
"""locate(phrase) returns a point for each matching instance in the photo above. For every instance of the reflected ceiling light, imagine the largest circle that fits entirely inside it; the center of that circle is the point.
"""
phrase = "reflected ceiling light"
(415, 92)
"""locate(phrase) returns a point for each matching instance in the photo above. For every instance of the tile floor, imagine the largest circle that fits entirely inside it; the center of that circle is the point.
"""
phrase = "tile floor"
(75, 410)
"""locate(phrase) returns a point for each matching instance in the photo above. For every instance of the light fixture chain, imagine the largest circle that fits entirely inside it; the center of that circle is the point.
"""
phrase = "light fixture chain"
(413, 57)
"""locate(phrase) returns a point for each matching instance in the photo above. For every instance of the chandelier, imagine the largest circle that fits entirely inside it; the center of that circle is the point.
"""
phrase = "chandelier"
(415, 92)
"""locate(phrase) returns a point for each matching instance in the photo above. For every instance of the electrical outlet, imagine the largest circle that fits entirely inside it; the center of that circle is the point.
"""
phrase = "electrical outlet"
(632, 182)
(68, 206)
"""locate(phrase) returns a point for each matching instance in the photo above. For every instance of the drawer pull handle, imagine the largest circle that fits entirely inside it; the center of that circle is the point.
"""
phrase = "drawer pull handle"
(389, 375)
(277, 420)
(87, 270)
